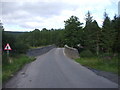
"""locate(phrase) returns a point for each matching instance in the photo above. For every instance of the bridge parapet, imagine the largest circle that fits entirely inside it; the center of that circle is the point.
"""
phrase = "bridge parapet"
(40, 51)
(71, 52)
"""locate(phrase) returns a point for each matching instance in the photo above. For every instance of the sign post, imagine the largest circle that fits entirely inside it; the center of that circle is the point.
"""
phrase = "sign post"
(7, 47)
(8, 53)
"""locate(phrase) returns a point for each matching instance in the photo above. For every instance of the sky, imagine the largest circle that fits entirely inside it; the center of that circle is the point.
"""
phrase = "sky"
(27, 15)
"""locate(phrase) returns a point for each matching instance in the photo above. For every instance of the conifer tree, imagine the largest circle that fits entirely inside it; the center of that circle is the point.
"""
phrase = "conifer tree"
(108, 34)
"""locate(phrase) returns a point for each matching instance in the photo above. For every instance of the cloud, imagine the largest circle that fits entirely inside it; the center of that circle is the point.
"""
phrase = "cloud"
(42, 9)
(28, 14)
(52, 13)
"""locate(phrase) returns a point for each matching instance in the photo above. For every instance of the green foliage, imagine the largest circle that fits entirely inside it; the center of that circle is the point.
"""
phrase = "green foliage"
(72, 26)
(100, 64)
(17, 45)
(88, 18)
(8, 38)
(92, 34)
(91, 37)
(17, 63)
(108, 34)
(86, 53)
(103, 42)
(4, 59)
(44, 37)
(20, 47)
(116, 26)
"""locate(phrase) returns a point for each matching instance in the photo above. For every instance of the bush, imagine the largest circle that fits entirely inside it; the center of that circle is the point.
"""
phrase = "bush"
(4, 58)
(86, 53)
(17, 63)
(106, 56)
(21, 47)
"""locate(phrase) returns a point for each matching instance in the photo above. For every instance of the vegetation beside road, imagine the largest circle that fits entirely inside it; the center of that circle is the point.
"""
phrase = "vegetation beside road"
(18, 61)
(0, 74)
(93, 38)
(100, 63)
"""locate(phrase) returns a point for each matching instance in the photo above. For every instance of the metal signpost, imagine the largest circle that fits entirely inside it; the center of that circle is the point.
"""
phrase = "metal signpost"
(7, 47)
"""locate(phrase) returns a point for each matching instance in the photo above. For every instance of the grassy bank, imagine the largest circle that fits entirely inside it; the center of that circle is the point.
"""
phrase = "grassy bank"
(0, 74)
(8, 69)
(109, 65)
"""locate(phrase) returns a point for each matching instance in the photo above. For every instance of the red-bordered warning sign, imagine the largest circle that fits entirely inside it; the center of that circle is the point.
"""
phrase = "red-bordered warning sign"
(7, 47)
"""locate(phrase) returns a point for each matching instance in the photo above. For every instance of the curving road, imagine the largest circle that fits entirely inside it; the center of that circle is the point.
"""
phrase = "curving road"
(55, 70)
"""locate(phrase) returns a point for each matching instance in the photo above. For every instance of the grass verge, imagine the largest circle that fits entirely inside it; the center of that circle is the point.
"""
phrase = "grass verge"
(100, 64)
(17, 63)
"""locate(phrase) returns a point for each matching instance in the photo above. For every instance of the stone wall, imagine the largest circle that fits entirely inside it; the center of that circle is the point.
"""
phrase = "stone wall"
(71, 52)
(40, 51)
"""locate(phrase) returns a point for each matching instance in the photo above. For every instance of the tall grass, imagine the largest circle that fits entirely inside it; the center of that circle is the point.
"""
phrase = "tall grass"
(104, 64)
(8, 69)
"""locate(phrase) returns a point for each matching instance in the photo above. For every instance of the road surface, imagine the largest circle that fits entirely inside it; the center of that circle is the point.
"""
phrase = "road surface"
(55, 70)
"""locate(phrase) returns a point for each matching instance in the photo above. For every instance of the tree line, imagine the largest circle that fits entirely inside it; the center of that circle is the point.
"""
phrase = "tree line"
(105, 39)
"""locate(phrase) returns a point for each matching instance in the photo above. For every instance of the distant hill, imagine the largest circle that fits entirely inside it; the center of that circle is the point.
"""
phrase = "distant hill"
(15, 33)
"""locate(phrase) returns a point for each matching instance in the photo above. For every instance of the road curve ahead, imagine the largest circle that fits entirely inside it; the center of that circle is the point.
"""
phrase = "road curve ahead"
(55, 70)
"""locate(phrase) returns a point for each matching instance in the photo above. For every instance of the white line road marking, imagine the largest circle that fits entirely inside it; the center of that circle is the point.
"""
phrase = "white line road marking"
(64, 51)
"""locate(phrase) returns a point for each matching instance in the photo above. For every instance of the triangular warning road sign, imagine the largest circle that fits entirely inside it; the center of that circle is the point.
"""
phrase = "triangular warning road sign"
(7, 47)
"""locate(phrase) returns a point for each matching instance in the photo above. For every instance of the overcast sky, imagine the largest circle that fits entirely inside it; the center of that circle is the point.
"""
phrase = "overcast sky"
(25, 15)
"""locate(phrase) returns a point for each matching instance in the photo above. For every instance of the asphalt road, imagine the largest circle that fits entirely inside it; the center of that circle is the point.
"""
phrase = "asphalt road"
(55, 70)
